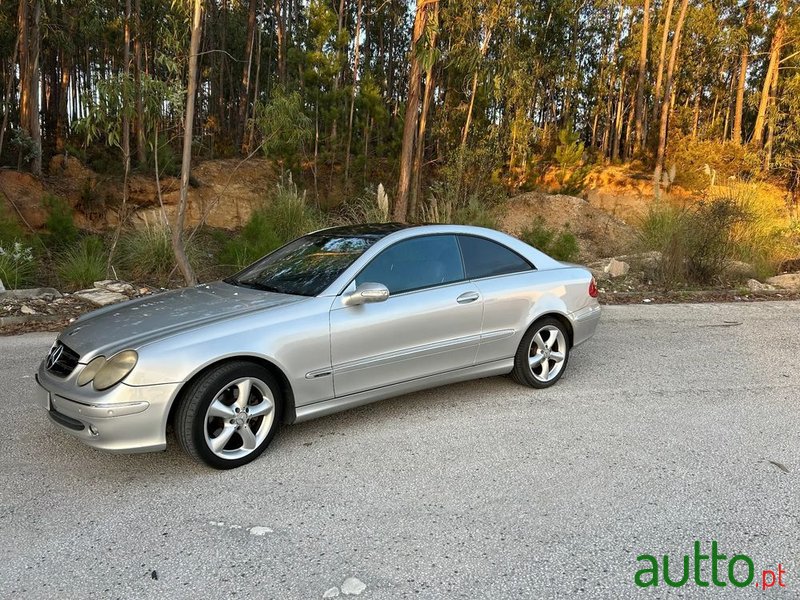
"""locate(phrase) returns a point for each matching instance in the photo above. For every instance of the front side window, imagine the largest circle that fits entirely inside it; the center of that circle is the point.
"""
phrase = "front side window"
(305, 266)
(415, 264)
(485, 258)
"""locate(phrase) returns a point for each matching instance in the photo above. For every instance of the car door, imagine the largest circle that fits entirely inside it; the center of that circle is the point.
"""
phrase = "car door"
(508, 285)
(429, 324)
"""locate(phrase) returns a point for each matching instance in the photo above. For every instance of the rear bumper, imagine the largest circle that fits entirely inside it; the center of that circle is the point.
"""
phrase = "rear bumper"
(584, 323)
(123, 419)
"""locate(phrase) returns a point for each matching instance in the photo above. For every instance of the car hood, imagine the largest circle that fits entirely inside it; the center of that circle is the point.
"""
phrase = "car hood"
(137, 322)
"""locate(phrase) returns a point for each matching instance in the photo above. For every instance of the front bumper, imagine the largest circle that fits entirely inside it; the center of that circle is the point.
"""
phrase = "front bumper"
(122, 419)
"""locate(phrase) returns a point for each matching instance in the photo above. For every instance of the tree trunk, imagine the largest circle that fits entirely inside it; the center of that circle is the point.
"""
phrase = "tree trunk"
(141, 154)
(736, 135)
(615, 145)
(356, 44)
(696, 113)
(280, 33)
(771, 118)
(186, 159)
(244, 92)
(62, 119)
(126, 122)
(419, 152)
(411, 124)
(665, 105)
(256, 84)
(772, 73)
(126, 137)
(8, 98)
(474, 90)
(661, 57)
(638, 139)
(28, 16)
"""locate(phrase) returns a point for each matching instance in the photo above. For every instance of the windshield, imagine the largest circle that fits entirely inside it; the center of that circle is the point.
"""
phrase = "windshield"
(304, 267)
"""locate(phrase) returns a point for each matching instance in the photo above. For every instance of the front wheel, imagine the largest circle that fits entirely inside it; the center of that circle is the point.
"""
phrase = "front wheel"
(542, 355)
(229, 415)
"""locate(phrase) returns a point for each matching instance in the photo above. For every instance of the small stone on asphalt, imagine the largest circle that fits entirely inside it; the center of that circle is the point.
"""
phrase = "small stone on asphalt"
(353, 586)
(259, 530)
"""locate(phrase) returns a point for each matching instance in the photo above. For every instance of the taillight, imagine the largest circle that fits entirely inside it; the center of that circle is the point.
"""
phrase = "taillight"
(593, 288)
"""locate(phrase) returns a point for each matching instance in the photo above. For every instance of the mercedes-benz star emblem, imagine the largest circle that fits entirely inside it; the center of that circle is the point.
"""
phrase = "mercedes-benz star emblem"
(55, 354)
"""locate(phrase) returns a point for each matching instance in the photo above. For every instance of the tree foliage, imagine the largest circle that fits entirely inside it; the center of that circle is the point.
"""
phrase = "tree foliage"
(505, 76)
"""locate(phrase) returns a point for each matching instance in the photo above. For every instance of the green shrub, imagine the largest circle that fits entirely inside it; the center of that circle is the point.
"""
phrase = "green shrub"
(467, 188)
(285, 218)
(474, 213)
(60, 224)
(696, 243)
(658, 226)
(146, 254)
(90, 201)
(80, 265)
(370, 207)
(10, 229)
(256, 239)
(561, 245)
(17, 264)
(569, 156)
(290, 214)
(763, 237)
(698, 163)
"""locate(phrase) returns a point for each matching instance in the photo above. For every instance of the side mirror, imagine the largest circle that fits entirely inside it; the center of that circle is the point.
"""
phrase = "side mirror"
(365, 293)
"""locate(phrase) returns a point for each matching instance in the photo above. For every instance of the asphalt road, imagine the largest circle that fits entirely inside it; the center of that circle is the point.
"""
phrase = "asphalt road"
(674, 424)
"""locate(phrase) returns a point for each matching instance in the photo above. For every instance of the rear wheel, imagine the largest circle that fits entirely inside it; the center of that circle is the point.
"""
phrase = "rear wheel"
(542, 355)
(229, 415)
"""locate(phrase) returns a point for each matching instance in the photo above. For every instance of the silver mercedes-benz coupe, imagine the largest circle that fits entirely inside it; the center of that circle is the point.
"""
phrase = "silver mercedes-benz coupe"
(335, 319)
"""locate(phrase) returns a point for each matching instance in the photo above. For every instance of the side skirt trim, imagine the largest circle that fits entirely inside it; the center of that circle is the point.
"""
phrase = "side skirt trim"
(334, 405)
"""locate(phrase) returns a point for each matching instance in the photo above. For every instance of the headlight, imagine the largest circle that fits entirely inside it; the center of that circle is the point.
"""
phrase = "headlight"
(115, 370)
(90, 370)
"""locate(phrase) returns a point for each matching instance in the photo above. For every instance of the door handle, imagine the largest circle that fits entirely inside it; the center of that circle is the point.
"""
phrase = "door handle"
(468, 297)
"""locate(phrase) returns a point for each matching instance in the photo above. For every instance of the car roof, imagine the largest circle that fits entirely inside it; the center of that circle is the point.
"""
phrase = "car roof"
(375, 230)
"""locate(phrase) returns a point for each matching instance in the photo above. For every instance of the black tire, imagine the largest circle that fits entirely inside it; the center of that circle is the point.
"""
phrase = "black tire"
(193, 424)
(523, 372)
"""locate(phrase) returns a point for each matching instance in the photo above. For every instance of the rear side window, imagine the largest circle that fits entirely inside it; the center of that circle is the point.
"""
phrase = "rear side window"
(485, 258)
(415, 264)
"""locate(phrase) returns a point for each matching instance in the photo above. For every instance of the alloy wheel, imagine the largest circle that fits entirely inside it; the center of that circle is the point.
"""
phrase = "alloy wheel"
(239, 418)
(546, 354)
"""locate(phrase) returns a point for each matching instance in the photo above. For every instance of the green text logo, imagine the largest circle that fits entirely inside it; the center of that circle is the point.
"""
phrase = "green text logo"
(739, 571)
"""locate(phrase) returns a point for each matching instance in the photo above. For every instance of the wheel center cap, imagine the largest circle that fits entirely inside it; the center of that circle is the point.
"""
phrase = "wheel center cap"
(546, 353)
(240, 419)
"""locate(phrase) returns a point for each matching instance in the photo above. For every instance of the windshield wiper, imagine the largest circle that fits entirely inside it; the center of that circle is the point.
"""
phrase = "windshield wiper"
(254, 285)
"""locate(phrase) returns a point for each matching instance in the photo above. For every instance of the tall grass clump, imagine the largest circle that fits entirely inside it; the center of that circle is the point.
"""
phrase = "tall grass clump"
(83, 263)
(467, 189)
(445, 205)
(370, 207)
(276, 222)
(146, 254)
(60, 224)
(17, 264)
(10, 230)
(699, 243)
(762, 237)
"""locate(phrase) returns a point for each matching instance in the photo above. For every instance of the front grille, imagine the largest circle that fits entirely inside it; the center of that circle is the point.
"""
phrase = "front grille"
(62, 360)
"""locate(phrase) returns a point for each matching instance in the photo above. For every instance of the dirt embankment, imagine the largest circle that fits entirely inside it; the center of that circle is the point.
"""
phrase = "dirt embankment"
(599, 234)
(222, 193)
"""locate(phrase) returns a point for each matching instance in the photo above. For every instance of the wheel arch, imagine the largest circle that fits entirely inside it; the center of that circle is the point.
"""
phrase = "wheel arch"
(561, 318)
(288, 412)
